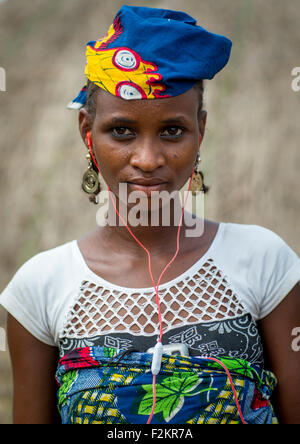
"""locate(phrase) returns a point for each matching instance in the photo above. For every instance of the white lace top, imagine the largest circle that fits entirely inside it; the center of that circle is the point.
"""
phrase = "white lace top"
(212, 307)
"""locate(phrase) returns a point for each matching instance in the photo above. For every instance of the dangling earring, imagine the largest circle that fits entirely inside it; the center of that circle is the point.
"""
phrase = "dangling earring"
(90, 181)
(197, 181)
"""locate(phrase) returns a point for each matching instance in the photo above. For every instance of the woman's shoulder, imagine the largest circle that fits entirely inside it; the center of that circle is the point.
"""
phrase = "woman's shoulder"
(50, 257)
(254, 235)
(34, 292)
(260, 265)
(239, 230)
(44, 266)
(257, 248)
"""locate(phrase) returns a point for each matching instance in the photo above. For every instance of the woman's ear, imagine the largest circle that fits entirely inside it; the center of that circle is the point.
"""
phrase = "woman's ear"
(84, 120)
(202, 122)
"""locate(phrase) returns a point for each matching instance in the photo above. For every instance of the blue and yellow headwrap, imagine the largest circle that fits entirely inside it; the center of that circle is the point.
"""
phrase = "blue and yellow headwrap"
(151, 53)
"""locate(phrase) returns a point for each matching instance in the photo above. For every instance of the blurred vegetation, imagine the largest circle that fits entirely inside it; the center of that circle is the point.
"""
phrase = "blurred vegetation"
(251, 156)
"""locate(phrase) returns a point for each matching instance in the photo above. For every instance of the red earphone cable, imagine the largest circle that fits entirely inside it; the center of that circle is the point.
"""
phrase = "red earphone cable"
(89, 141)
(137, 240)
(232, 386)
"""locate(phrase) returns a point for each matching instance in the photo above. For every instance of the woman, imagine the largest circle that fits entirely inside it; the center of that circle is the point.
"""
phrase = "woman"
(148, 332)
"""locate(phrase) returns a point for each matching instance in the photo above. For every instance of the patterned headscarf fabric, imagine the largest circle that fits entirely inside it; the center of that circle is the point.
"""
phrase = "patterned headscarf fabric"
(151, 53)
(99, 386)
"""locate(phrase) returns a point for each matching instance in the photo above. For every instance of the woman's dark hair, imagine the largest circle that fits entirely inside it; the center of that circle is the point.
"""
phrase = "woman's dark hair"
(90, 105)
(91, 94)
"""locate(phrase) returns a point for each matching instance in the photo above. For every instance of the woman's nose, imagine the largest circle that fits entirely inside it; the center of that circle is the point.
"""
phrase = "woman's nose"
(148, 155)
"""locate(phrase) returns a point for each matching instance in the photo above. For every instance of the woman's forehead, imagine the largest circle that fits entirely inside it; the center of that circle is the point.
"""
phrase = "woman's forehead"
(182, 107)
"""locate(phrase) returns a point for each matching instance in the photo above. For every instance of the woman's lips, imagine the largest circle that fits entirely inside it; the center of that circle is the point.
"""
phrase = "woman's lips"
(147, 188)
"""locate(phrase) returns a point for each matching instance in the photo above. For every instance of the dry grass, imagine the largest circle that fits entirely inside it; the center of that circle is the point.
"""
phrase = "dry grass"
(251, 153)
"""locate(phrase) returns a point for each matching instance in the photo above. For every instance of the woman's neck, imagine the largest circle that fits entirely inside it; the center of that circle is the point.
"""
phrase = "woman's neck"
(158, 240)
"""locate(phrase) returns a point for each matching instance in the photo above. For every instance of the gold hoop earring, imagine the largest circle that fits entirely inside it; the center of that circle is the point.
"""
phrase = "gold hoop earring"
(90, 182)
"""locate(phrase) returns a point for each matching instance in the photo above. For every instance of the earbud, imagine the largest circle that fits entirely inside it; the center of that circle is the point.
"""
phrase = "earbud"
(89, 142)
(89, 139)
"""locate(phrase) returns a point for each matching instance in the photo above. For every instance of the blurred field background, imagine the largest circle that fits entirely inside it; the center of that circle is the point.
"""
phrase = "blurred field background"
(251, 156)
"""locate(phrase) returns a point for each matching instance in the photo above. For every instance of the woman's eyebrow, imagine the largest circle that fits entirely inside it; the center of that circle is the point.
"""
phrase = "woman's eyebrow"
(181, 119)
(119, 121)
(175, 119)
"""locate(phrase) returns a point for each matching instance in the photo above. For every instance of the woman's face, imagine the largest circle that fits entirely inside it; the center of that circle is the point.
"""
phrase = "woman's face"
(140, 140)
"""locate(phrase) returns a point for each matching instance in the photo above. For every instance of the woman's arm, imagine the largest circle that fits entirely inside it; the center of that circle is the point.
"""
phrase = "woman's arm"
(276, 330)
(34, 365)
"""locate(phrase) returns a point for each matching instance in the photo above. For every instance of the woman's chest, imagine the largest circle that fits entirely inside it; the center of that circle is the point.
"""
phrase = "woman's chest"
(125, 267)
(199, 309)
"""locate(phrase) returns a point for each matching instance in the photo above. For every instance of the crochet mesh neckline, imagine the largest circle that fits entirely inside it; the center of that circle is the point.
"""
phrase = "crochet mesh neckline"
(201, 294)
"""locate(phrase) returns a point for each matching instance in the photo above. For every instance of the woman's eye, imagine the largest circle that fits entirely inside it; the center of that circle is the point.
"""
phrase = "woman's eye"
(121, 132)
(172, 131)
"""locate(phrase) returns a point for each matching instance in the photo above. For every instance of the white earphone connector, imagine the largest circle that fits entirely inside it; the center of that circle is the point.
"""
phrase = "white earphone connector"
(156, 360)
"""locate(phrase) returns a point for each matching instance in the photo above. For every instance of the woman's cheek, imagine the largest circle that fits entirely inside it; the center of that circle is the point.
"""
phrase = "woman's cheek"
(111, 164)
